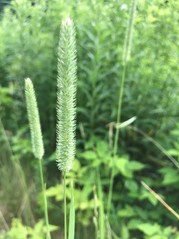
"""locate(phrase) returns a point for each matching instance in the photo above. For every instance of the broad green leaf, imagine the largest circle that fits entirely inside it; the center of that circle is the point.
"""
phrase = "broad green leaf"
(122, 165)
(90, 155)
(56, 191)
(170, 175)
(131, 185)
(147, 195)
(124, 232)
(135, 166)
(126, 212)
(149, 229)
(173, 152)
(133, 224)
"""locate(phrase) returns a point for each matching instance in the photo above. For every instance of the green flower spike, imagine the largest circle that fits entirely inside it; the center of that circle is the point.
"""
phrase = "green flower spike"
(34, 121)
(66, 96)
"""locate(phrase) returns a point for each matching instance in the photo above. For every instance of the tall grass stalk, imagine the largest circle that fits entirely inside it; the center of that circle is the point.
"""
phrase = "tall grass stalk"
(65, 205)
(36, 139)
(95, 217)
(160, 200)
(126, 58)
(66, 103)
(71, 228)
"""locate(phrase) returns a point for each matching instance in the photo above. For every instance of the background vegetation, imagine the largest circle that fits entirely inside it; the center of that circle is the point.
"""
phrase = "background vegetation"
(29, 32)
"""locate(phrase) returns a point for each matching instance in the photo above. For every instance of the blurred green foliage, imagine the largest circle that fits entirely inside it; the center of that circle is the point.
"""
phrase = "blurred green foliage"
(29, 33)
(20, 231)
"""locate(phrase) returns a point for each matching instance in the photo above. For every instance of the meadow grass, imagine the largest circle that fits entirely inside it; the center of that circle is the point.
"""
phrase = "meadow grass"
(66, 123)
(66, 115)
(66, 126)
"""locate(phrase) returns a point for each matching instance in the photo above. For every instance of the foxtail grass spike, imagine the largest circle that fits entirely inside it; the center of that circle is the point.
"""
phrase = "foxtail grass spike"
(34, 121)
(36, 138)
(66, 96)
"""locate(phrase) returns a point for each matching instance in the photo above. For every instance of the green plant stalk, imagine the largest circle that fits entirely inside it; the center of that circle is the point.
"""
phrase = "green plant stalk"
(71, 228)
(116, 141)
(44, 199)
(65, 206)
(95, 217)
(126, 58)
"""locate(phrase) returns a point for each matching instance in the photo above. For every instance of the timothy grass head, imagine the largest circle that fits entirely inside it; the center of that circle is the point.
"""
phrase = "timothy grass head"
(34, 120)
(66, 96)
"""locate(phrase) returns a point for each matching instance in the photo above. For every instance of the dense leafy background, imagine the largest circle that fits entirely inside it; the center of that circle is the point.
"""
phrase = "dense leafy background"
(29, 32)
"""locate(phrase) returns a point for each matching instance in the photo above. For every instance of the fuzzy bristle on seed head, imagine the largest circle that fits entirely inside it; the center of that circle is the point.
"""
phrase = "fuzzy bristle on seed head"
(34, 121)
(66, 96)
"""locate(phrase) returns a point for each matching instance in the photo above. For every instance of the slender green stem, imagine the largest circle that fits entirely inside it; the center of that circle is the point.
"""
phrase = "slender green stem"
(121, 90)
(65, 206)
(48, 236)
(126, 58)
(95, 217)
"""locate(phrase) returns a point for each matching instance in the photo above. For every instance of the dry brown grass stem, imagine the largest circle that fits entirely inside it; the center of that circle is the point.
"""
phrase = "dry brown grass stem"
(160, 200)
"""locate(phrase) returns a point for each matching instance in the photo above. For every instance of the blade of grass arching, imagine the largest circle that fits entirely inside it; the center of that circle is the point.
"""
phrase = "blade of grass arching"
(126, 58)
(3, 220)
(101, 209)
(110, 233)
(21, 175)
(71, 228)
(157, 145)
(28, 215)
(160, 200)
